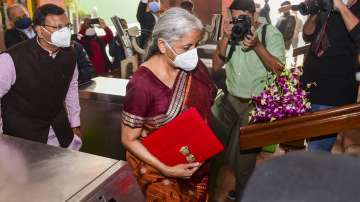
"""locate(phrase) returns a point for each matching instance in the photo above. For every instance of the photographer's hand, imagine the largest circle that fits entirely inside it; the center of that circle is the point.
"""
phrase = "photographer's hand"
(351, 21)
(102, 24)
(219, 56)
(338, 4)
(250, 41)
(227, 28)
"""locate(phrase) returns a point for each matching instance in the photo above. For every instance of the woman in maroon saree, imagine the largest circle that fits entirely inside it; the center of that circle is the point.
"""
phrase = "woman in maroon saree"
(158, 92)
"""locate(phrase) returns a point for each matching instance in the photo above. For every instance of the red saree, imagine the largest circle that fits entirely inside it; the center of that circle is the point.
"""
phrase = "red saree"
(149, 104)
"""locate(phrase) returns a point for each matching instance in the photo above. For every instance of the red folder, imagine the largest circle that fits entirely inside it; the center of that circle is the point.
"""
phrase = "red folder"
(185, 139)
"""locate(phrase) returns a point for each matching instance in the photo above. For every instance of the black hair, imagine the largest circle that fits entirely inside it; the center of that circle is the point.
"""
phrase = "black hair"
(123, 22)
(285, 3)
(187, 5)
(243, 5)
(43, 11)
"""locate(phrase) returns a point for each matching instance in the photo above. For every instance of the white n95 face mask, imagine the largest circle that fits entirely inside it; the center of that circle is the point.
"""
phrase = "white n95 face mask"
(186, 61)
(61, 38)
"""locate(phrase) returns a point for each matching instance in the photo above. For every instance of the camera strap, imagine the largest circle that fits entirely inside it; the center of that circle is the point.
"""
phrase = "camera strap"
(232, 49)
(263, 35)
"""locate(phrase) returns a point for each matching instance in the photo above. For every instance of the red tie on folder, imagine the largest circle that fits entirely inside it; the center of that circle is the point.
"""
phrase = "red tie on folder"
(185, 139)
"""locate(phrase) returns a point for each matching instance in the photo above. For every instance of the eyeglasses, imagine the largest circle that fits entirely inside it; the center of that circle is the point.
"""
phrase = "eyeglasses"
(69, 25)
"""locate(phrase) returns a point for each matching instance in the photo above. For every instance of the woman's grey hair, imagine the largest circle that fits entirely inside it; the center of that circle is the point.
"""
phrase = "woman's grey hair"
(172, 26)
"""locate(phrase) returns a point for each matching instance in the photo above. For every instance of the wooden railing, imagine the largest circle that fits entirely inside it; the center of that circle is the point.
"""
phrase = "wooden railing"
(301, 50)
(312, 124)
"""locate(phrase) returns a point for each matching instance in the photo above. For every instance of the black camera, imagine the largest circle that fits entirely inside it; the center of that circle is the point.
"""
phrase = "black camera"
(94, 21)
(310, 7)
(241, 28)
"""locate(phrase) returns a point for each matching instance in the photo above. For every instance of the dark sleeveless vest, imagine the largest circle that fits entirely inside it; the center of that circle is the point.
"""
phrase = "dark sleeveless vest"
(36, 101)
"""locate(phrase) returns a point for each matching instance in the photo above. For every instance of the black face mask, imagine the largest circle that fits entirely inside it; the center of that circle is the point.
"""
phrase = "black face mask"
(23, 23)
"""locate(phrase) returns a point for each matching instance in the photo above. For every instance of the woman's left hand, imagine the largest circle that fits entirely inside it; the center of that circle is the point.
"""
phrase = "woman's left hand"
(182, 170)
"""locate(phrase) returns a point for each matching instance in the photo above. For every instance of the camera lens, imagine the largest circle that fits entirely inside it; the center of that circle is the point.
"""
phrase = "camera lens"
(310, 7)
(242, 27)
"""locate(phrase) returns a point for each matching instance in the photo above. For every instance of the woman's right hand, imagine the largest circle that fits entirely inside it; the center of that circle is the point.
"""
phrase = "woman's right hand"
(182, 170)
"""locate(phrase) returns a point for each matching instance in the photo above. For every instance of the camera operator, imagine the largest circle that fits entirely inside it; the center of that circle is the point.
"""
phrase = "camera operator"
(331, 63)
(248, 61)
(95, 45)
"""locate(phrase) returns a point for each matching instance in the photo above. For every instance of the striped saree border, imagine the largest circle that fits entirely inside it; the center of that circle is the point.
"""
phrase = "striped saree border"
(174, 109)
